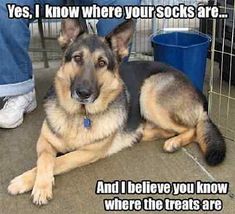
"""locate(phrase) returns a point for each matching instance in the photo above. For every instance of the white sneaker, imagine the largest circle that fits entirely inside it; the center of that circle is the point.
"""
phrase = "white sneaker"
(12, 113)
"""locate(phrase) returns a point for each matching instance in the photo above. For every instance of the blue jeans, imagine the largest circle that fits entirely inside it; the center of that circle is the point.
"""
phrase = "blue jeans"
(16, 76)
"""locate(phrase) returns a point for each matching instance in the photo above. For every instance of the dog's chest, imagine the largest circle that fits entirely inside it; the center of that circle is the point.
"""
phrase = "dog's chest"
(73, 132)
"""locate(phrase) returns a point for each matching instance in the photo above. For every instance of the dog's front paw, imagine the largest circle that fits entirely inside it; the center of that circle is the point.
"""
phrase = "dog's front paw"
(42, 192)
(17, 186)
(22, 183)
(171, 145)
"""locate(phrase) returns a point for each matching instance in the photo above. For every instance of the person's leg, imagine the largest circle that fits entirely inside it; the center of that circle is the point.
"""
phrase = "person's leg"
(15, 67)
(16, 77)
(105, 26)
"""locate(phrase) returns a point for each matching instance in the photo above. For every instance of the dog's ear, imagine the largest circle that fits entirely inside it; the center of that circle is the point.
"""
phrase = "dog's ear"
(70, 30)
(120, 37)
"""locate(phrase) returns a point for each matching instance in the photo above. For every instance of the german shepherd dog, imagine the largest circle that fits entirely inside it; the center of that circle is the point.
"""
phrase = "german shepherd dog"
(100, 106)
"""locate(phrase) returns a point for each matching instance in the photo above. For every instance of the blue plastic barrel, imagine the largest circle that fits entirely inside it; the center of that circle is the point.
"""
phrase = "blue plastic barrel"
(185, 51)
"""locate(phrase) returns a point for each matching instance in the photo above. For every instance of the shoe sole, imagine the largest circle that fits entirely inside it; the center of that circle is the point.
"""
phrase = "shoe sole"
(29, 109)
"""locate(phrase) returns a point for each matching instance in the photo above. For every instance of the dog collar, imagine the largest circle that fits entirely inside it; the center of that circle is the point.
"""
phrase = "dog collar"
(86, 120)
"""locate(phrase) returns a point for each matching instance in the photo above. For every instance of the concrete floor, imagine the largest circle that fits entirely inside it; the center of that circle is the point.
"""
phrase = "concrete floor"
(75, 191)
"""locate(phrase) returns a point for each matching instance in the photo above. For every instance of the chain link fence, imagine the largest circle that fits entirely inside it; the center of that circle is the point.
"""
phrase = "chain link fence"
(222, 72)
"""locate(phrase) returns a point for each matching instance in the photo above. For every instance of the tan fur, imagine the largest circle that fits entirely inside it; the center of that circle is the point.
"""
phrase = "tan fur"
(71, 132)
(62, 86)
(152, 110)
(167, 114)
(123, 140)
(152, 132)
(43, 189)
(111, 86)
(181, 140)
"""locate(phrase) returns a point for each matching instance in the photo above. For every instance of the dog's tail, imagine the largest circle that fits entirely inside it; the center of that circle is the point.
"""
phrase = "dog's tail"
(210, 141)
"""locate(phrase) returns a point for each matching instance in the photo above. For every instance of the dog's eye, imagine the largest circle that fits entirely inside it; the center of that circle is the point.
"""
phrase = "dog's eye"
(102, 63)
(77, 58)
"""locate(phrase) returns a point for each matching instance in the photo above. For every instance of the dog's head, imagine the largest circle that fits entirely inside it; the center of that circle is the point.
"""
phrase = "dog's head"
(90, 63)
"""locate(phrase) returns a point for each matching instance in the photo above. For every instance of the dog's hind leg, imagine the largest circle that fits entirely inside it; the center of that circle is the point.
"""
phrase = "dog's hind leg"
(152, 132)
(169, 101)
(180, 140)
(171, 108)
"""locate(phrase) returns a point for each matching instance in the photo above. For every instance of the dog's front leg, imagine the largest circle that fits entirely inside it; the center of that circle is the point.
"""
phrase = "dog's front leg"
(90, 153)
(42, 190)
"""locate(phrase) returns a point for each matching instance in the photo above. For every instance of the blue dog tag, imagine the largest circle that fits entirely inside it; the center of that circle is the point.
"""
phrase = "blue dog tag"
(87, 123)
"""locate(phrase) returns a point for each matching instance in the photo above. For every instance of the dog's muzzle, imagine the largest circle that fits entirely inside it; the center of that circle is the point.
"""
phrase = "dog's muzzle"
(84, 96)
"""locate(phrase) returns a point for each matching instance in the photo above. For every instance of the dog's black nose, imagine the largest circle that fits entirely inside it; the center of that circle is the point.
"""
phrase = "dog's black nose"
(83, 93)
